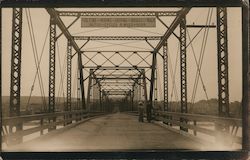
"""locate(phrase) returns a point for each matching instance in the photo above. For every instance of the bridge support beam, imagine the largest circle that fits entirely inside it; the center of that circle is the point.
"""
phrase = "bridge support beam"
(52, 68)
(246, 80)
(152, 81)
(183, 69)
(69, 78)
(89, 90)
(165, 75)
(81, 80)
(100, 99)
(15, 79)
(222, 49)
(165, 78)
(222, 56)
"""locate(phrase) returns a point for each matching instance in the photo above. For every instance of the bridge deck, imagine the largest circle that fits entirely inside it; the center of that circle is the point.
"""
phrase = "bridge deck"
(111, 132)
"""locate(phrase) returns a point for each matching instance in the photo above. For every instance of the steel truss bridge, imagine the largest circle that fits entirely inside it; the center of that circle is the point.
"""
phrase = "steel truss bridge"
(124, 82)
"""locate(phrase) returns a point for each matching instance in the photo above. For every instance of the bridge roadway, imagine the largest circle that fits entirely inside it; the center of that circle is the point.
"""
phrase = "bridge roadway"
(110, 132)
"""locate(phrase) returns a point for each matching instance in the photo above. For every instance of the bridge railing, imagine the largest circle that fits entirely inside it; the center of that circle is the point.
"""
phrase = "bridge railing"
(38, 123)
(205, 124)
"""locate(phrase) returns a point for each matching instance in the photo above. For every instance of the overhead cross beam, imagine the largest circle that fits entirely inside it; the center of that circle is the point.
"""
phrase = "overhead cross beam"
(53, 13)
(116, 67)
(118, 38)
(117, 13)
(125, 51)
(117, 75)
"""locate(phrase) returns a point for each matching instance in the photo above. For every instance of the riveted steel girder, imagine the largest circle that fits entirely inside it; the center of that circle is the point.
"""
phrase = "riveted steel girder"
(15, 75)
(165, 75)
(183, 70)
(117, 13)
(118, 38)
(222, 48)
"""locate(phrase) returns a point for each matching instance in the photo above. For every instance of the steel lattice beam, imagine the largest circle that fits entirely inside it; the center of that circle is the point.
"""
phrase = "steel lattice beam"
(116, 67)
(118, 38)
(52, 12)
(144, 85)
(1, 138)
(68, 85)
(183, 68)
(165, 75)
(69, 77)
(52, 64)
(52, 68)
(15, 82)
(222, 48)
(125, 51)
(89, 89)
(117, 13)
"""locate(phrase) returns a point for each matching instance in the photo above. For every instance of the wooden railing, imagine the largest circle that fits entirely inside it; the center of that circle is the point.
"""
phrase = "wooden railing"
(193, 122)
(40, 122)
(204, 124)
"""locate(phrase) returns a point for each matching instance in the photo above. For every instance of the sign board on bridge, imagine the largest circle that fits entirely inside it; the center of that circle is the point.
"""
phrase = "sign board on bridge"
(117, 22)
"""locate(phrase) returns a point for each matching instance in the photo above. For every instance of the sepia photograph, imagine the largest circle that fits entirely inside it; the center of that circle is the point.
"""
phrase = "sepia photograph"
(112, 79)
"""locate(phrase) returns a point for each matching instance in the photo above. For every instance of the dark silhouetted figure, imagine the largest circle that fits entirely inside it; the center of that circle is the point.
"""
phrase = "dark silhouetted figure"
(140, 109)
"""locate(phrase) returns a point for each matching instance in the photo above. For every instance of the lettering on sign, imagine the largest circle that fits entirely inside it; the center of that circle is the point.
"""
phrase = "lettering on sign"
(116, 22)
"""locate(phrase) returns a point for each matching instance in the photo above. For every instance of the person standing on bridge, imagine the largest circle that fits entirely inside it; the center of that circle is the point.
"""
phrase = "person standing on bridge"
(140, 109)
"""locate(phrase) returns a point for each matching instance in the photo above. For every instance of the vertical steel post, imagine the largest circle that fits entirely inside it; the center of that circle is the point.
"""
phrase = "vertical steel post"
(222, 56)
(81, 81)
(165, 75)
(52, 68)
(104, 104)
(69, 73)
(246, 79)
(144, 86)
(155, 88)
(183, 70)
(222, 49)
(1, 109)
(89, 89)
(151, 92)
(15, 77)
(132, 99)
(139, 89)
(100, 99)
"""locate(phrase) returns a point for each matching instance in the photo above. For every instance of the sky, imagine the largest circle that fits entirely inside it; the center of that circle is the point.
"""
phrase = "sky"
(40, 22)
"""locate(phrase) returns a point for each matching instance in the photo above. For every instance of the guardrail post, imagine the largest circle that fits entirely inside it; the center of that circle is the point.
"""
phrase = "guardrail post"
(41, 124)
(195, 133)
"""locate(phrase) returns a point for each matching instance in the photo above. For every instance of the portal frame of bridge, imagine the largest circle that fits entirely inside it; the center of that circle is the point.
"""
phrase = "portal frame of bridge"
(245, 77)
